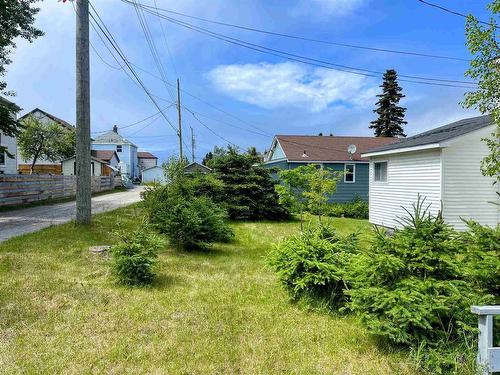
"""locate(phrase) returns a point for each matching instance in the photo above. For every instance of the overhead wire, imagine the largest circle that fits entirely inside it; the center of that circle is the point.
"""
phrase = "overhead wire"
(312, 61)
(298, 37)
(454, 12)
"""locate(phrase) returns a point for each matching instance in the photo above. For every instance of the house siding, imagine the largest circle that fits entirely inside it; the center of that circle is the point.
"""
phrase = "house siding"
(346, 192)
(408, 174)
(466, 192)
(10, 165)
(128, 156)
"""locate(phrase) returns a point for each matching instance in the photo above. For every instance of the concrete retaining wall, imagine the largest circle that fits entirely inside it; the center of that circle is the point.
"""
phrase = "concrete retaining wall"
(22, 189)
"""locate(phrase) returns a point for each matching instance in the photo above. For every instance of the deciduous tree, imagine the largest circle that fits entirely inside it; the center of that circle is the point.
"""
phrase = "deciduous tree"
(483, 42)
(49, 141)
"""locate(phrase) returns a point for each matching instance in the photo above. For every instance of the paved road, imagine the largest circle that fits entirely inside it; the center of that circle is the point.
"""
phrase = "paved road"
(16, 223)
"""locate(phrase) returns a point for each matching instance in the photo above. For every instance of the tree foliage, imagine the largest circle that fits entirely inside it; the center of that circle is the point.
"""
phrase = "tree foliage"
(183, 212)
(248, 188)
(307, 187)
(390, 119)
(483, 42)
(9, 126)
(45, 140)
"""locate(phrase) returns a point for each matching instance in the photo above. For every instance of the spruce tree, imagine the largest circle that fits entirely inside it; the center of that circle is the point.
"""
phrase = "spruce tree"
(390, 115)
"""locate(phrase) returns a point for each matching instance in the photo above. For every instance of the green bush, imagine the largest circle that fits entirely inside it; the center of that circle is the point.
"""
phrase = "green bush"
(482, 244)
(134, 256)
(357, 209)
(187, 219)
(412, 287)
(314, 262)
(248, 188)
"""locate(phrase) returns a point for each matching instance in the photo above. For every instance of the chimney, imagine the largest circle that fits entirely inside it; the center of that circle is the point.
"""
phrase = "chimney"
(115, 129)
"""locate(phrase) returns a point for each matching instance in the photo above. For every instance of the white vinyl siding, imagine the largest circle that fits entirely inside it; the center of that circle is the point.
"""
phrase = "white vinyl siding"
(466, 191)
(408, 174)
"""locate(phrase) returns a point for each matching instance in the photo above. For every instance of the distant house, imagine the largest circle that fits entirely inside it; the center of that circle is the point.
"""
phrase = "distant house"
(8, 165)
(42, 165)
(153, 174)
(126, 150)
(292, 151)
(195, 167)
(442, 165)
(146, 160)
(103, 163)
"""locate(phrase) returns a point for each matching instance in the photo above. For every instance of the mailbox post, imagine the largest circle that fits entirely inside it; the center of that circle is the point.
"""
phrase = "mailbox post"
(488, 356)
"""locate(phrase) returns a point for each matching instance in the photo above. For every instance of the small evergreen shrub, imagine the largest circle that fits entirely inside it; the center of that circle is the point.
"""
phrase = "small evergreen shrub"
(357, 209)
(179, 210)
(134, 257)
(482, 245)
(413, 288)
(313, 262)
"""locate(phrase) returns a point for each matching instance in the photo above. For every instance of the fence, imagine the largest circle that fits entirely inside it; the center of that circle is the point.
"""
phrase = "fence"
(21, 189)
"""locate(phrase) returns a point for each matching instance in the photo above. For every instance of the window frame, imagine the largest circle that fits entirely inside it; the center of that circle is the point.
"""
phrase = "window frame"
(353, 173)
(121, 148)
(2, 156)
(386, 172)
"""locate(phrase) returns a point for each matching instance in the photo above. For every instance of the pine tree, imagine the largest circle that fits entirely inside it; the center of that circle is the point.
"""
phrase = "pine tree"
(390, 116)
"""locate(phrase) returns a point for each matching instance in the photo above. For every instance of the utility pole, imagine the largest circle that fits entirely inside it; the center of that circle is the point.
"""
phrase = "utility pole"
(180, 119)
(83, 183)
(192, 144)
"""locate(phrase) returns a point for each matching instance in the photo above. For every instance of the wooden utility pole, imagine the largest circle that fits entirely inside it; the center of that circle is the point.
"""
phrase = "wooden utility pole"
(192, 144)
(83, 183)
(180, 119)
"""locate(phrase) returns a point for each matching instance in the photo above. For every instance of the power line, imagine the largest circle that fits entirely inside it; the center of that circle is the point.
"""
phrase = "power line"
(297, 37)
(107, 34)
(312, 61)
(454, 12)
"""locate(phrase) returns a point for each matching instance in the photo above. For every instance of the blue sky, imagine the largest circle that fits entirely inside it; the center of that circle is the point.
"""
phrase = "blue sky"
(267, 92)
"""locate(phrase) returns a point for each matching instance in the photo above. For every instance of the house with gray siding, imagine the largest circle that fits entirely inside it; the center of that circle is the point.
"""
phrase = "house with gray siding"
(8, 164)
(442, 165)
(340, 153)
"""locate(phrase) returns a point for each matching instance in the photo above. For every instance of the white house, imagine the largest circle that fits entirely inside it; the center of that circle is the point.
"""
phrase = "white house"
(126, 150)
(103, 163)
(153, 174)
(42, 165)
(442, 165)
(8, 165)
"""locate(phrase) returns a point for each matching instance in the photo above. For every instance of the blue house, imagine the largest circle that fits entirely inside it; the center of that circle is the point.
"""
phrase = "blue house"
(126, 150)
(338, 153)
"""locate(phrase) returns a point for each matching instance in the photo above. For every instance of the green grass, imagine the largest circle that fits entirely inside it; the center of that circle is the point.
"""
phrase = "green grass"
(216, 312)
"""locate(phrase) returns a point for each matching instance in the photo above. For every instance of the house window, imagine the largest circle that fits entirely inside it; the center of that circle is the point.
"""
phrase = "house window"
(2, 158)
(380, 170)
(118, 148)
(349, 173)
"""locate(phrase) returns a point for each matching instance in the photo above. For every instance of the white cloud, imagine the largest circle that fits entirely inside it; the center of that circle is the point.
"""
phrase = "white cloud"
(291, 85)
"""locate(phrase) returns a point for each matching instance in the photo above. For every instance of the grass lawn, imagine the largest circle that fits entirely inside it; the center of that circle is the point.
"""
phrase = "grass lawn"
(219, 312)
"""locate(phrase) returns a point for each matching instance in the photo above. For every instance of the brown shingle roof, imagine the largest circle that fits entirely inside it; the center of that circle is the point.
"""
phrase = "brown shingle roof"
(105, 155)
(328, 148)
(145, 155)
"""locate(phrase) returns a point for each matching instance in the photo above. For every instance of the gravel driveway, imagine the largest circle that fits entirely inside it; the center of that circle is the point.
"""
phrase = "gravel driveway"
(18, 222)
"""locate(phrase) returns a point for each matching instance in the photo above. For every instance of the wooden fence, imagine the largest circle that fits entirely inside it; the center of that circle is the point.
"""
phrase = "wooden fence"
(21, 189)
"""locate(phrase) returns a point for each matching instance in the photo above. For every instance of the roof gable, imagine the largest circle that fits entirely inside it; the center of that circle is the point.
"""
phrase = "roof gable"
(440, 134)
(57, 120)
(303, 148)
(113, 138)
(105, 155)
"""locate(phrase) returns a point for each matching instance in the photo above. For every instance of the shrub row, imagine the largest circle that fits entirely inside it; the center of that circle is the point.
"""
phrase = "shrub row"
(413, 288)
(357, 209)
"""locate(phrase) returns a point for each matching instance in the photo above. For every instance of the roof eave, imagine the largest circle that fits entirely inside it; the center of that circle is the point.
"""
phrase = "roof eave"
(402, 150)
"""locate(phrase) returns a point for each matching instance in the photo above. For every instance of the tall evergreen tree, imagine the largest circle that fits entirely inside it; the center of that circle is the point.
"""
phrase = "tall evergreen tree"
(390, 115)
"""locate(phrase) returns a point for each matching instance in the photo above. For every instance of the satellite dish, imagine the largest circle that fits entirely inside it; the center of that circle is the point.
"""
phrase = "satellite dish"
(351, 149)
